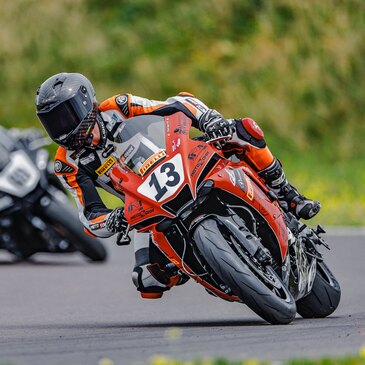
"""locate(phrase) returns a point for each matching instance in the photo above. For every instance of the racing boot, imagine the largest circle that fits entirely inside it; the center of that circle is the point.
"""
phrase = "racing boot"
(289, 198)
(152, 281)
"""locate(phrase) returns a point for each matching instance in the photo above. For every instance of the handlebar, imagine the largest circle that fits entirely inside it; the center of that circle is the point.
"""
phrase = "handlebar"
(205, 138)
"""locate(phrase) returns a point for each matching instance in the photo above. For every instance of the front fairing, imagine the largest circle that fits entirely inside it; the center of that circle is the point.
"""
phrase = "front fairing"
(175, 167)
(160, 187)
(20, 176)
(239, 182)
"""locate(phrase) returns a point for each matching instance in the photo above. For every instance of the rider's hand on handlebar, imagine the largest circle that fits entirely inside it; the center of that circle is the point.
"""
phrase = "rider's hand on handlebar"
(217, 126)
(116, 221)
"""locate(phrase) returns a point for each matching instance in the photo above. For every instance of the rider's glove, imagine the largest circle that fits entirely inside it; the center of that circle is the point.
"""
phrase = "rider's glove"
(214, 125)
(116, 221)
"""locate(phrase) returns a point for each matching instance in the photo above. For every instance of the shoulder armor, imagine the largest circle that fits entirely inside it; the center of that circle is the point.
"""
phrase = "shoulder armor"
(123, 103)
(61, 164)
(185, 93)
(116, 102)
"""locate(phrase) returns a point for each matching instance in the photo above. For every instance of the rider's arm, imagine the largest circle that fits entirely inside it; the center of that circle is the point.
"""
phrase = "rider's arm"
(92, 211)
(131, 106)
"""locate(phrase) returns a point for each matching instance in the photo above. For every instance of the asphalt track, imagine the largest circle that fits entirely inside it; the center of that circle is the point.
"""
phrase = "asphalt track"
(63, 310)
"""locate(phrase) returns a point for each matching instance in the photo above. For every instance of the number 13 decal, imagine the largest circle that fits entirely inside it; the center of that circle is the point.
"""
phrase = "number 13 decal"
(164, 181)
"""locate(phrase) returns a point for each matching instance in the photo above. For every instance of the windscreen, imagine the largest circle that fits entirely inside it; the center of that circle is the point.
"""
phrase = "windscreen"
(141, 143)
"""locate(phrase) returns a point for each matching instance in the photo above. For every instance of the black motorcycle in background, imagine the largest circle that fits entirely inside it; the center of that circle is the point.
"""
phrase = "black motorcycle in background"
(35, 213)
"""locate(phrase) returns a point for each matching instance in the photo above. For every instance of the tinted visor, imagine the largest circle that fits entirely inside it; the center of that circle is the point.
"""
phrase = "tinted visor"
(67, 116)
(81, 136)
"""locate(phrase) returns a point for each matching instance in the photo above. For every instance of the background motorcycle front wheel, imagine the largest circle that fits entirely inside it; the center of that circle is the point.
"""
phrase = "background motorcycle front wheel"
(263, 291)
(324, 296)
(62, 215)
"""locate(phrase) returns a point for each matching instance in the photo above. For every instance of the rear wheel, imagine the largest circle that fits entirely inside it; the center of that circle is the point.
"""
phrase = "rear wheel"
(63, 217)
(256, 285)
(324, 296)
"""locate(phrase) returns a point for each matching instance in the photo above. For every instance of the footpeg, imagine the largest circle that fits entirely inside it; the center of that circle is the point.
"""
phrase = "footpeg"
(319, 230)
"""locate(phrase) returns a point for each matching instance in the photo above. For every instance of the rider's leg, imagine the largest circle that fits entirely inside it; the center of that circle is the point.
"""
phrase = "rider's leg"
(256, 153)
(152, 274)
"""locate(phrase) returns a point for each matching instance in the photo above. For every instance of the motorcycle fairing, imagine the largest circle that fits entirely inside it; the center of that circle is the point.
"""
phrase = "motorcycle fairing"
(174, 181)
(234, 179)
(19, 176)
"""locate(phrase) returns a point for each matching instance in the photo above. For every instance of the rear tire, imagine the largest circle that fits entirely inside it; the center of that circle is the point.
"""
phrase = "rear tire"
(275, 305)
(324, 296)
(62, 215)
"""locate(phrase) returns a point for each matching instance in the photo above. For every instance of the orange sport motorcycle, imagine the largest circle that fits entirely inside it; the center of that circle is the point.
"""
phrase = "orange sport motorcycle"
(217, 222)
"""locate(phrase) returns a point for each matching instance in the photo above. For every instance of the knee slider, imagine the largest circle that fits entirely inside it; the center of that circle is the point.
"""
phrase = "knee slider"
(249, 131)
(145, 282)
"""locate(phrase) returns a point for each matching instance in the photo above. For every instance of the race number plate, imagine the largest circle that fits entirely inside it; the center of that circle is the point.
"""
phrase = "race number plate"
(164, 181)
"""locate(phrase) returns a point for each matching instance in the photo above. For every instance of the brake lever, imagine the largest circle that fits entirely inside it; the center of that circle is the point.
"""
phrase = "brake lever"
(217, 139)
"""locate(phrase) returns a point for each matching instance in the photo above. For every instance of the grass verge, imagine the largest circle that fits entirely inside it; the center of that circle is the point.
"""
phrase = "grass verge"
(341, 360)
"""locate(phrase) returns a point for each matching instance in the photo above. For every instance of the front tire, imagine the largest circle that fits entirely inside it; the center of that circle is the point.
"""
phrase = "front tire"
(324, 296)
(274, 303)
(60, 214)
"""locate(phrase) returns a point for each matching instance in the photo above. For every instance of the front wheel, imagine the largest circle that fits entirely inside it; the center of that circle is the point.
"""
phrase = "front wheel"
(63, 217)
(324, 296)
(256, 285)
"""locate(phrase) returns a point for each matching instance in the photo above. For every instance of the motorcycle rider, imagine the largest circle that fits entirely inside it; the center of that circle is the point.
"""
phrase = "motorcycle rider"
(85, 131)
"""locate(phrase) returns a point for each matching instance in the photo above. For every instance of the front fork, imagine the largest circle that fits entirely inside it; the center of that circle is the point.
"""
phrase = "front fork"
(303, 256)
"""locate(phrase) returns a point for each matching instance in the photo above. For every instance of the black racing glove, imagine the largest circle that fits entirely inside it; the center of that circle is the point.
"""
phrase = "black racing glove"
(214, 125)
(116, 221)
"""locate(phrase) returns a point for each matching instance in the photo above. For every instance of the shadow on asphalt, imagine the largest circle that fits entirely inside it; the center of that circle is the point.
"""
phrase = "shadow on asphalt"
(169, 324)
(45, 262)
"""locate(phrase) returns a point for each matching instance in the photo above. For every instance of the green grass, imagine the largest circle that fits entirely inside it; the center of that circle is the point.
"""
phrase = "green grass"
(345, 360)
(297, 67)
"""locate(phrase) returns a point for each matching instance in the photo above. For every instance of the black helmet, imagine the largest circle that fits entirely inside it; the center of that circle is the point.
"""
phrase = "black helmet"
(67, 108)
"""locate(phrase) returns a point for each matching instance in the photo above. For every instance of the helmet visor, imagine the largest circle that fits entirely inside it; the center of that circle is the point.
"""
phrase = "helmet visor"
(67, 116)
(79, 137)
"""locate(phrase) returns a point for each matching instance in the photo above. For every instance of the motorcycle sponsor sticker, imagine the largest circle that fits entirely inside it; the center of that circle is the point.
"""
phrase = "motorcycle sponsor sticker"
(143, 213)
(164, 181)
(151, 161)
(249, 192)
(175, 144)
(199, 164)
(106, 166)
(196, 151)
(135, 205)
(124, 157)
(62, 168)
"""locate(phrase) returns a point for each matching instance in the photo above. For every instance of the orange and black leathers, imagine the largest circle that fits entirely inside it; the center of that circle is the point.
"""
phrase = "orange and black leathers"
(84, 170)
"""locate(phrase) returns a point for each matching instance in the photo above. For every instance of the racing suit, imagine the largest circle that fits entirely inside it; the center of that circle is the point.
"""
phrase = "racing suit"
(83, 170)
